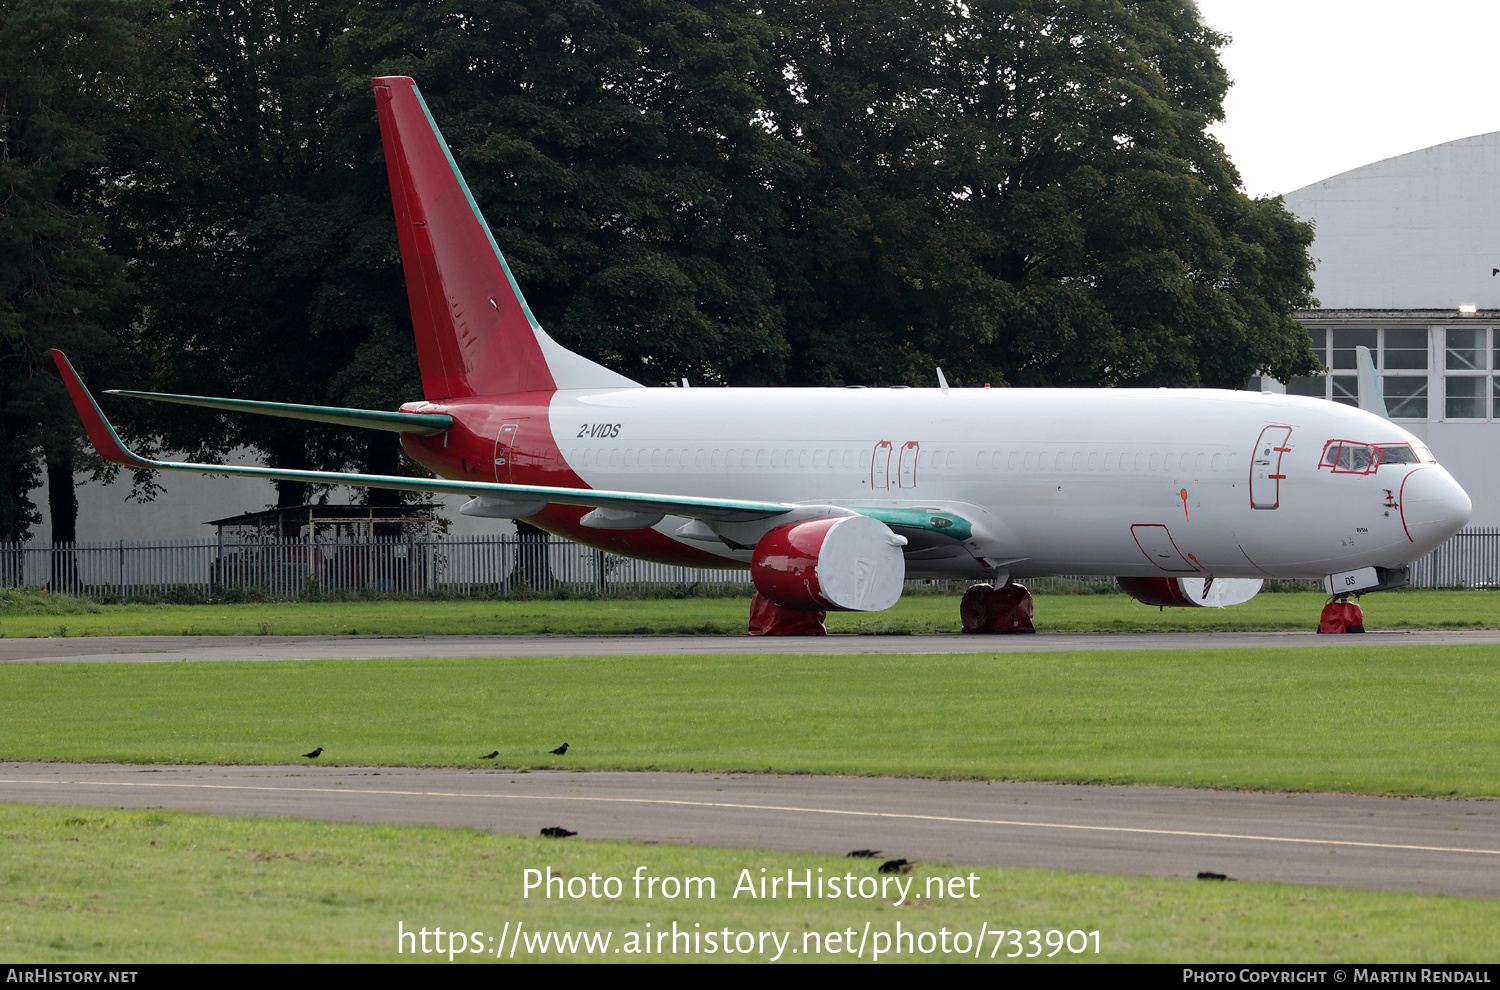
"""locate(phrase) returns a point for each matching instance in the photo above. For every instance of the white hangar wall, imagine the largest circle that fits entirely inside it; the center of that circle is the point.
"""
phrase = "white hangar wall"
(105, 512)
(1406, 250)
(1418, 231)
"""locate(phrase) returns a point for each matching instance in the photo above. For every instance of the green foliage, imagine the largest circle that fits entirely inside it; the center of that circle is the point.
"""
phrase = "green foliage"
(67, 71)
(807, 192)
(615, 151)
(1024, 191)
(32, 601)
(265, 254)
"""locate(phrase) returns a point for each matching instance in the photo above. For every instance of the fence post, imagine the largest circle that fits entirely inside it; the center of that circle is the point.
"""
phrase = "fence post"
(598, 572)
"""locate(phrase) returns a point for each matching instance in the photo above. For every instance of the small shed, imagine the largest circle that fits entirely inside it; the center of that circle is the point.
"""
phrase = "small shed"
(328, 524)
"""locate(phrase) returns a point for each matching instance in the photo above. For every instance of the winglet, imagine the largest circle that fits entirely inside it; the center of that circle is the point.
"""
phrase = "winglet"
(103, 436)
(1371, 396)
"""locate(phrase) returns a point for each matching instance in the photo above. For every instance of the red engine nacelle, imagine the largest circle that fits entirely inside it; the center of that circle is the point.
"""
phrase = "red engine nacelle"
(843, 563)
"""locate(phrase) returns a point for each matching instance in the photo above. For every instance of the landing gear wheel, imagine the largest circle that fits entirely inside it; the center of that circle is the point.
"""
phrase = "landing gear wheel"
(986, 609)
(769, 619)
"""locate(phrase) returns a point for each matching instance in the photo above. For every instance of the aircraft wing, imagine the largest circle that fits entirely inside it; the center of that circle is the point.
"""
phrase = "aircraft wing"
(110, 447)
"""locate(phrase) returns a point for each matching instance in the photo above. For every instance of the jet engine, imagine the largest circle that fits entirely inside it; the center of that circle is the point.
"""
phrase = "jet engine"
(1171, 592)
(843, 563)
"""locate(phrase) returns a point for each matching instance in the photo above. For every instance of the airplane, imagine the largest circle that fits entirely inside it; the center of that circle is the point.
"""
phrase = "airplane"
(833, 497)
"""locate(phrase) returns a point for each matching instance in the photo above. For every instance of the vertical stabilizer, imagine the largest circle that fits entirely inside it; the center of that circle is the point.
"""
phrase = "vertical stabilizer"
(475, 333)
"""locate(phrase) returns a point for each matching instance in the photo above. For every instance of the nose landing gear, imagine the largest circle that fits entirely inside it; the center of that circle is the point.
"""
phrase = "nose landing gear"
(1342, 616)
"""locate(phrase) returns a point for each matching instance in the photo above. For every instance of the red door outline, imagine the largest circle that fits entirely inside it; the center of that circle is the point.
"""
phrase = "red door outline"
(880, 465)
(1266, 472)
(909, 451)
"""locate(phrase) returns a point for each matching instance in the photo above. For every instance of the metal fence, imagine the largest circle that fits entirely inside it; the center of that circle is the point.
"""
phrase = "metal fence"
(495, 565)
(1469, 560)
(295, 568)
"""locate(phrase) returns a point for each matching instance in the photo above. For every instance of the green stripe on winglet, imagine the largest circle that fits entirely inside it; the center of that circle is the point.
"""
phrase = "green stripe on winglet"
(371, 419)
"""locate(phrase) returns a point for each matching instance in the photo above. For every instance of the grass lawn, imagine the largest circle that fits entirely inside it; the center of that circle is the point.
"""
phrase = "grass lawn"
(1394, 719)
(32, 614)
(109, 886)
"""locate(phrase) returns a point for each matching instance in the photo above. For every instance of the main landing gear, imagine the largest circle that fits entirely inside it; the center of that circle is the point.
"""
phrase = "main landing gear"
(987, 609)
(1342, 616)
(984, 609)
(769, 619)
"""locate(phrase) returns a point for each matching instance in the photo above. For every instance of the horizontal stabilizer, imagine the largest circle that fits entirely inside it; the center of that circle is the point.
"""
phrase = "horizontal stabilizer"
(372, 419)
(110, 447)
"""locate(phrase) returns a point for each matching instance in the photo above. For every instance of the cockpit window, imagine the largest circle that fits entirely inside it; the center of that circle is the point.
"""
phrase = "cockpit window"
(1398, 453)
(1348, 457)
(1345, 457)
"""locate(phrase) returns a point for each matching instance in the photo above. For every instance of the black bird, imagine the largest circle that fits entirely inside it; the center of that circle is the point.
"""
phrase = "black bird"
(895, 866)
(1494, 272)
(864, 853)
(1205, 875)
(557, 832)
(559, 750)
(491, 756)
(314, 754)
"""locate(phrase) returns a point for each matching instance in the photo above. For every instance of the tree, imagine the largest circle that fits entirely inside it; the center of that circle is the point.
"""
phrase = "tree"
(67, 71)
(615, 148)
(266, 259)
(1024, 191)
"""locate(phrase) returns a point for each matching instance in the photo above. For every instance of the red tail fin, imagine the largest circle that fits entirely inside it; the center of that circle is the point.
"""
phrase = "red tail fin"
(475, 333)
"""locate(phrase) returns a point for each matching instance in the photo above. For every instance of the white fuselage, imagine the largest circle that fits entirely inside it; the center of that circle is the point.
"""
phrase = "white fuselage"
(1128, 482)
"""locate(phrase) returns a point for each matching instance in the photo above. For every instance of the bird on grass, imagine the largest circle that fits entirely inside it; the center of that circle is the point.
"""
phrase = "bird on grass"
(491, 756)
(557, 832)
(864, 853)
(559, 750)
(314, 754)
(895, 866)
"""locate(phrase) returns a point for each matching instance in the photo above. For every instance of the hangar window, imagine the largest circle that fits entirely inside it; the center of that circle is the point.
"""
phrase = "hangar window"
(1402, 354)
(1405, 396)
(1465, 387)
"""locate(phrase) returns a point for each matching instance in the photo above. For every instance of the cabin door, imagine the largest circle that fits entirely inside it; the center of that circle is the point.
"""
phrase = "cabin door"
(1266, 472)
(880, 466)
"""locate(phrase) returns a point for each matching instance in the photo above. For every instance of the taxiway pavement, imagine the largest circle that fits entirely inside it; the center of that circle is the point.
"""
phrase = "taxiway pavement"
(1417, 844)
(164, 649)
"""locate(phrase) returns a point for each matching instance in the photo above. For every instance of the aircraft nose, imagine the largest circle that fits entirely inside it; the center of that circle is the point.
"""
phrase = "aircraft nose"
(1433, 507)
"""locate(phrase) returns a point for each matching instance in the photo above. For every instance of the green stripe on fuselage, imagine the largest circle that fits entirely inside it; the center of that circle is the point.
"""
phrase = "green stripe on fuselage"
(947, 524)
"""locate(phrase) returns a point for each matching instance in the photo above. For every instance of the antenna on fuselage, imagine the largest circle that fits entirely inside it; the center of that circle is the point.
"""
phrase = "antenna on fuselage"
(942, 382)
(1371, 398)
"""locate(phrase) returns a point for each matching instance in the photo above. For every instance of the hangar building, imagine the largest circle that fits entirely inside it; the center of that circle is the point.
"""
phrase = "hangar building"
(1408, 264)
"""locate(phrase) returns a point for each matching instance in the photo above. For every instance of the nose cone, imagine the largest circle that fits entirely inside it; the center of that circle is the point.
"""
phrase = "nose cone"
(1433, 507)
